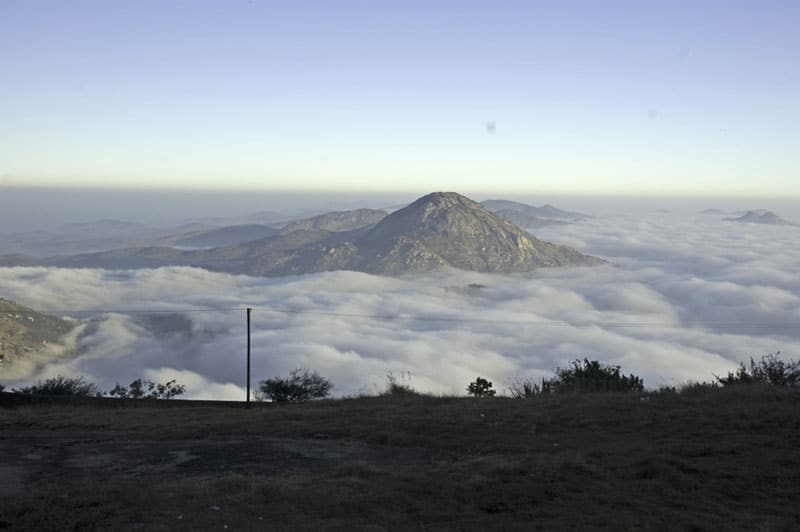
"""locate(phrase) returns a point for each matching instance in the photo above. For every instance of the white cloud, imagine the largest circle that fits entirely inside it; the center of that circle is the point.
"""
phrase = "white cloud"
(683, 300)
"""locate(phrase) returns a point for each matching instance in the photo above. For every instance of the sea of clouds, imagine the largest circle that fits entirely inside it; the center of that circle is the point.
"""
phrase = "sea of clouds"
(684, 297)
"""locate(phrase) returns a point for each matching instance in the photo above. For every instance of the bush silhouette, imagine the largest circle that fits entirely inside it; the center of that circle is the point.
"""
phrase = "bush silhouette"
(147, 389)
(301, 385)
(64, 386)
(527, 388)
(592, 376)
(399, 386)
(480, 388)
(770, 371)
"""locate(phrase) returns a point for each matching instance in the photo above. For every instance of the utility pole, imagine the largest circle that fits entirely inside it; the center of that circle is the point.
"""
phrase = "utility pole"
(249, 311)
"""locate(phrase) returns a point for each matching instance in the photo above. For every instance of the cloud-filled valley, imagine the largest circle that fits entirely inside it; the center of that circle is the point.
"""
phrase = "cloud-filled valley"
(683, 298)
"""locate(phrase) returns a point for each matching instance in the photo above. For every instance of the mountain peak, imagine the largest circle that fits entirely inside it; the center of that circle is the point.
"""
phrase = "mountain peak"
(448, 229)
(442, 198)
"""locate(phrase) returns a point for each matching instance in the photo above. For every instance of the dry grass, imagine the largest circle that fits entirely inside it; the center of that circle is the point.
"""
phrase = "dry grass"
(708, 459)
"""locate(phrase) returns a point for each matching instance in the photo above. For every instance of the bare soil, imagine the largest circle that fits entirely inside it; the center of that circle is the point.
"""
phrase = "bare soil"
(31, 457)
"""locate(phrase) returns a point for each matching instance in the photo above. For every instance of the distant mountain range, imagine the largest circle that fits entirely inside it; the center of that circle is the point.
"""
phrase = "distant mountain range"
(438, 230)
(529, 216)
(760, 217)
(23, 330)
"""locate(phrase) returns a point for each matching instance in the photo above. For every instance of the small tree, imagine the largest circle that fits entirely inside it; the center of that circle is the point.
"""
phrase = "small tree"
(60, 385)
(593, 376)
(480, 388)
(147, 389)
(770, 371)
(301, 385)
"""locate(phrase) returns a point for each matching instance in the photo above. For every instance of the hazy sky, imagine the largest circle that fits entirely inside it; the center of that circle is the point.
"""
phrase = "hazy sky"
(555, 97)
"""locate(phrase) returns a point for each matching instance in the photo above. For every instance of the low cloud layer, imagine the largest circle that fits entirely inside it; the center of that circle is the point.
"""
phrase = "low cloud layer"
(686, 297)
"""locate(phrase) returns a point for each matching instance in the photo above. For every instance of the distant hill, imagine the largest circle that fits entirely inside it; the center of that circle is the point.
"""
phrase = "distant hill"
(226, 236)
(536, 216)
(99, 235)
(718, 212)
(23, 330)
(337, 221)
(239, 234)
(760, 217)
(108, 227)
(9, 261)
(438, 230)
(528, 221)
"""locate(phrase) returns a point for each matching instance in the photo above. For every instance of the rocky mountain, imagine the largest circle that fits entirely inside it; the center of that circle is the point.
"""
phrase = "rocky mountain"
(760, 217)
(23, 330)
(438, 230)
(537, 215)
(337, 221)
(448, 229)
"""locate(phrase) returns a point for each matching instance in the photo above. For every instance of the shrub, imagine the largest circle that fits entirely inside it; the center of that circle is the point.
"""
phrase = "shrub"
(399, 386)
(527, 388)
(60, 385)
(301, 385)
(480, 388)
(770, 370)
(147, 389)
(592, 376)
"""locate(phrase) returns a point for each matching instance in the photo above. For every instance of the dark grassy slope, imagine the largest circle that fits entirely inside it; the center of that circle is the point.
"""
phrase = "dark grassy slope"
(704, 460)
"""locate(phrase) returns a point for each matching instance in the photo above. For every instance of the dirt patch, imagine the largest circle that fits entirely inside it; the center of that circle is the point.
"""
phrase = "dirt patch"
(30, 457)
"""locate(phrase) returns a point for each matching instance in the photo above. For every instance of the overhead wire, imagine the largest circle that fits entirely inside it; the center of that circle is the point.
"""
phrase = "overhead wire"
(444, 319)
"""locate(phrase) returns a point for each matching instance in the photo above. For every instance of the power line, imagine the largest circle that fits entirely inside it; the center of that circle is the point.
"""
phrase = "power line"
(140, 311)
(525, 322)
(445, 319)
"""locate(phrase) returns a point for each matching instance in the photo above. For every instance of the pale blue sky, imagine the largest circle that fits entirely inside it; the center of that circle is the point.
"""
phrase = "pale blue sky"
(587, 97)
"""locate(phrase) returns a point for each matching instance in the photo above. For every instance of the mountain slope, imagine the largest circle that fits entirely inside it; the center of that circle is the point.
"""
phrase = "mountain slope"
(23, 330)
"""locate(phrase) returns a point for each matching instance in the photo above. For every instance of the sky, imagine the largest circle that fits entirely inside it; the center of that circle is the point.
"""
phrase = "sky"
(617, 98)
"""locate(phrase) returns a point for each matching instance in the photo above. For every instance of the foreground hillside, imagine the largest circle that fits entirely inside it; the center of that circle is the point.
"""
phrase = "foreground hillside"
(707, 459)
(24, 331)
